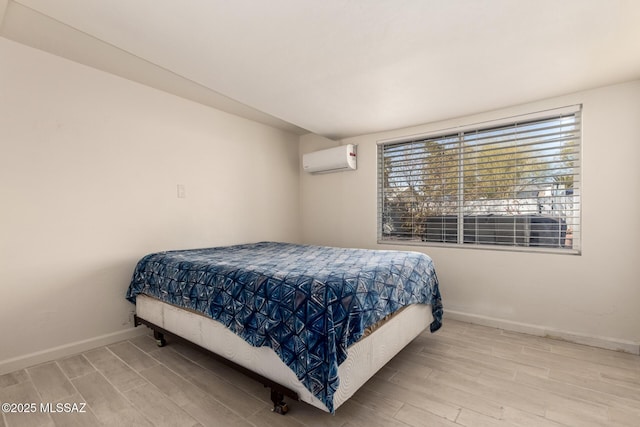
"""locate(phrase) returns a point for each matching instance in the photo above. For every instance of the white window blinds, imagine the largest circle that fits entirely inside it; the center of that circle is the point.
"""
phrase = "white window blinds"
(515, 184)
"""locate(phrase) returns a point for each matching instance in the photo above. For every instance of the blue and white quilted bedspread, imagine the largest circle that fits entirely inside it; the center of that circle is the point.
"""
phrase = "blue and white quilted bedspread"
(308, 303)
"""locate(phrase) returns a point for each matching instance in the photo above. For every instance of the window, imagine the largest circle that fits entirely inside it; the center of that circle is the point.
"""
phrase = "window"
(510, 184)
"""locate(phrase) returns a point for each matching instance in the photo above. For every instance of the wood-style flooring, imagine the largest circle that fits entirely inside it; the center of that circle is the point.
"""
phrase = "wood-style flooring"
(464, 375)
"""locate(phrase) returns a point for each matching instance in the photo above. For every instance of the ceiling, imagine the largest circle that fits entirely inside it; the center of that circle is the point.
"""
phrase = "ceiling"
(341, 68)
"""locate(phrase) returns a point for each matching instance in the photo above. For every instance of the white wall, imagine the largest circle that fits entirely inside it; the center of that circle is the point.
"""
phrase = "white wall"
(89, 167)
(592, 298)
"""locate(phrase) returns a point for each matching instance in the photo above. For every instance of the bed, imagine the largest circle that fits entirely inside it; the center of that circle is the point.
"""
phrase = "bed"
(312, 322)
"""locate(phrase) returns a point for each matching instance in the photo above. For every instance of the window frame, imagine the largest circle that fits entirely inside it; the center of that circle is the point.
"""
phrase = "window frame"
(487, 126)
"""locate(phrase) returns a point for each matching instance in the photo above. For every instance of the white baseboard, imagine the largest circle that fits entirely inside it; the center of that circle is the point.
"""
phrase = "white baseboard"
(541, 331)
(21, 362)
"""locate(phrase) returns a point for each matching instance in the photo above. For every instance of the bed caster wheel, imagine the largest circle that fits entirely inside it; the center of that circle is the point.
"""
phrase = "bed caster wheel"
(159, 337)
(281, 408)
(279, 405)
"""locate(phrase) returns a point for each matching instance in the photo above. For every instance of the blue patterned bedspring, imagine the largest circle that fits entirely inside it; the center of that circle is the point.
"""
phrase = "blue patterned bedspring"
(308, 303)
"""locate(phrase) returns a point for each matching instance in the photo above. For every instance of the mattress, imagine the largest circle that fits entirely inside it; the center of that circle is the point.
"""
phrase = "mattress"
(364, 358)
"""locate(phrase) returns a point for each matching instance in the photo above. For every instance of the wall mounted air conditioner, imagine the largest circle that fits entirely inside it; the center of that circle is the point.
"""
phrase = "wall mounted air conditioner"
(342, 158)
